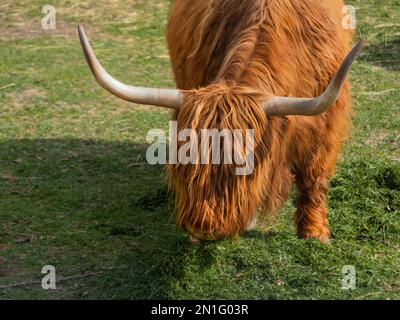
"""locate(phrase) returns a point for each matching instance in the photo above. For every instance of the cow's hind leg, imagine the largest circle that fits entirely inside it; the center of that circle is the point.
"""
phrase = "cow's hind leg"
(312, 213)
(312, 179)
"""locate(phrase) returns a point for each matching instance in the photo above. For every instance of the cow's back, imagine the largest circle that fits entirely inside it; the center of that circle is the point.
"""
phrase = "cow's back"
(266, 44)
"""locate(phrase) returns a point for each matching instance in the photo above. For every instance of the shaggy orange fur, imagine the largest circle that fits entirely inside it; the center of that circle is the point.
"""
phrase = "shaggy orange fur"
(227, 56)
(212, 201)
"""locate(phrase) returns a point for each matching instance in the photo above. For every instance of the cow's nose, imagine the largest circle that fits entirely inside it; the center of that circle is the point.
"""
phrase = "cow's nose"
(194, 240)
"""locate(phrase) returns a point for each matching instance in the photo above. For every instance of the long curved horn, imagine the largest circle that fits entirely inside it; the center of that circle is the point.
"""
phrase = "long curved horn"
(285, 106)
(168, 98)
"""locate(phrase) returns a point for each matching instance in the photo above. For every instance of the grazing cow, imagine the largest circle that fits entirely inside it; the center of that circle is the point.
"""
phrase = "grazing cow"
(278, 67)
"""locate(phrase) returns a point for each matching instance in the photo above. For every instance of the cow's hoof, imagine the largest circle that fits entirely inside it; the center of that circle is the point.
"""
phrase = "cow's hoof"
(194, 240)
(252, 225)
(323, 238)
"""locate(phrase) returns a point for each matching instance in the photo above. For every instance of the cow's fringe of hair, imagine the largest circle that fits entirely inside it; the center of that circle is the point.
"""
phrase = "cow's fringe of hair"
(225, 206)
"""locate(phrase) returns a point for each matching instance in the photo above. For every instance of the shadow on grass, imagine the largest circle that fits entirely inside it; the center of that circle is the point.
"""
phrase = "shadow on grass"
(100, 207)
(385, 54)
(263, 235)
(96, 207)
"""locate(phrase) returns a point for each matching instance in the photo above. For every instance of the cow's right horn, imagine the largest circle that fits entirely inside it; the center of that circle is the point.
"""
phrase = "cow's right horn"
(168, 98)
(286, 106)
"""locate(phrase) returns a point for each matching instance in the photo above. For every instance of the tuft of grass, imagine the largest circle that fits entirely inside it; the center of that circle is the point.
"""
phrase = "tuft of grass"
(75, 194)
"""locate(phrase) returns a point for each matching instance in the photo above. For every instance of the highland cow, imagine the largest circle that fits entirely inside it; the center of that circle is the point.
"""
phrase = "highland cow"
(278, 67)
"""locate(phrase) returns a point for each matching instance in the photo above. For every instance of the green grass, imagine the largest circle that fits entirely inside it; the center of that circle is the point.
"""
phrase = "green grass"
(75, 194)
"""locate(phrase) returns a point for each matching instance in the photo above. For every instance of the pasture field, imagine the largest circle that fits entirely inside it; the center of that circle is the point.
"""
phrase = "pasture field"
(76, 192)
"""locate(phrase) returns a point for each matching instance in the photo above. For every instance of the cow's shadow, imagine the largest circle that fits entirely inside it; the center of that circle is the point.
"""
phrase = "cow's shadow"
(384, 54)
(100, 209)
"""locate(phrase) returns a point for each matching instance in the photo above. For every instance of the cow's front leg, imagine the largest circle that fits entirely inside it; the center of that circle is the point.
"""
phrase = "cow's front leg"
(312, 213)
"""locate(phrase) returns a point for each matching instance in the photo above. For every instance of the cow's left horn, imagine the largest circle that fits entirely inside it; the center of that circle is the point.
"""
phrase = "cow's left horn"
(168, 98)
(285, 106)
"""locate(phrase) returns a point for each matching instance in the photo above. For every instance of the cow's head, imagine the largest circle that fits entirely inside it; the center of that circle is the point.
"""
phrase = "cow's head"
(213, 200)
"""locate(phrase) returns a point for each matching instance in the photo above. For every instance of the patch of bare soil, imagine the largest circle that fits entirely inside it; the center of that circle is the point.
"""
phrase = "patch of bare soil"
(33, 29)
(17, 24)
(378, 139)
(17, 100)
